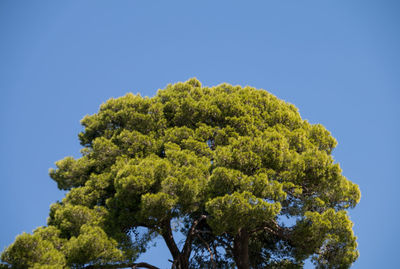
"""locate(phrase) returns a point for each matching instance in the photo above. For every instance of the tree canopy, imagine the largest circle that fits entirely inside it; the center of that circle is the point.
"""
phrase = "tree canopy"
(245, 180)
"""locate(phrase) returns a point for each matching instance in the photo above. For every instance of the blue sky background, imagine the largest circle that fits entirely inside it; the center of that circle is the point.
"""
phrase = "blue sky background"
(337, 61)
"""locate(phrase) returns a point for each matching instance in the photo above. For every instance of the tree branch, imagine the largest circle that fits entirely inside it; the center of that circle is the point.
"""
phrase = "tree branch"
(209, 250)
(187, 248)
(227, 244)
(169, 239)
(123, 265)
(276, 230)
(144, 265)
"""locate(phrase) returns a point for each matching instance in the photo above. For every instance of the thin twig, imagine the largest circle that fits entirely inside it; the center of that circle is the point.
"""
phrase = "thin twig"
(209, 250)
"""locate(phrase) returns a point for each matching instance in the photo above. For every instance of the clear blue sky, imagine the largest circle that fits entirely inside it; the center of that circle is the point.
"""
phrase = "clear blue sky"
(337, 61)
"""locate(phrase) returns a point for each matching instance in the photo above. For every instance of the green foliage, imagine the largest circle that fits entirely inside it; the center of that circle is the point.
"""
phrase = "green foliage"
(92, 246)
(43, 248)
(331, 233)
(233, 212)
(227, 163)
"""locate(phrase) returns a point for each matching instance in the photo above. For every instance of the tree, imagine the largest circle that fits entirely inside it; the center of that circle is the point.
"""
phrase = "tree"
(234, 169)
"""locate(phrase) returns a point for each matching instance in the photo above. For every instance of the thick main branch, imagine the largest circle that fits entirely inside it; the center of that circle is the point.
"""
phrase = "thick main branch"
(123, 265)
(169, 239)
(241, 249)
(187, 248)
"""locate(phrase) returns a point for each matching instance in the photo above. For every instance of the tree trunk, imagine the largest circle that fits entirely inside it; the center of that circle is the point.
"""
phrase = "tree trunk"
(241, 249)
(181, 263)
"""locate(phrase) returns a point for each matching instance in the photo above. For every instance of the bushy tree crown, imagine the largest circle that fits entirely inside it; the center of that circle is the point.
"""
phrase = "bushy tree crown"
(236, 170)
